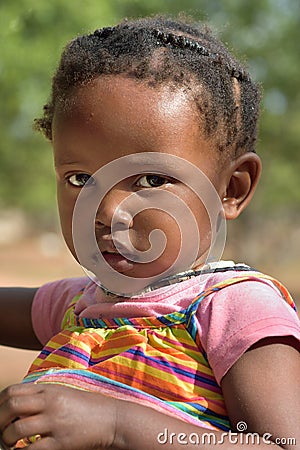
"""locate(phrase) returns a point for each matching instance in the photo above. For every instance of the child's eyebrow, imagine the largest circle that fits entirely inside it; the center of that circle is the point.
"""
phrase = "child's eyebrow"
(62, 163)
(147, 163)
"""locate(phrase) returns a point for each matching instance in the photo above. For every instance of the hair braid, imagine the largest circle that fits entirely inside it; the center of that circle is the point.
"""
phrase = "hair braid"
(188, 55)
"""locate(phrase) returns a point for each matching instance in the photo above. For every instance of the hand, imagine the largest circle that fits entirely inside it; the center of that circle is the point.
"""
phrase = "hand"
(66, 418)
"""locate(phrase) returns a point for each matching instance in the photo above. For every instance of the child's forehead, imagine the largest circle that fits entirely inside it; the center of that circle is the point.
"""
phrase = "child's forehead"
(120, 105)
(130, 92)
(117, 116)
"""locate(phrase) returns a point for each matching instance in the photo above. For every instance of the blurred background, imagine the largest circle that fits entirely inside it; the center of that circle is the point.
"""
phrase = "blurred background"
(265, 33)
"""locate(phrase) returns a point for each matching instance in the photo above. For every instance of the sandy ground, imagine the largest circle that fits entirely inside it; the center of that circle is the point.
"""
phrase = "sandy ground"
(31, 263)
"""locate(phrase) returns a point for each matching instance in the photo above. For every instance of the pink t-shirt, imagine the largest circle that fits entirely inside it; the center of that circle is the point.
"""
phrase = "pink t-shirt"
(230, 320)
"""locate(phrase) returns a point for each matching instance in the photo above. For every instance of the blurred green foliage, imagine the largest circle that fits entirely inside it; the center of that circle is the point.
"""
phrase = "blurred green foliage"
(266, 33)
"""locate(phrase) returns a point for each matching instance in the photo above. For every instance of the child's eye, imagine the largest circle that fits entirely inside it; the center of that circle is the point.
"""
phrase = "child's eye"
(81, 179)
(152, 181)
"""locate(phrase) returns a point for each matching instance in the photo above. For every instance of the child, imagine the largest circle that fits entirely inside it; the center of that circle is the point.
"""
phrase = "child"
(153, 126)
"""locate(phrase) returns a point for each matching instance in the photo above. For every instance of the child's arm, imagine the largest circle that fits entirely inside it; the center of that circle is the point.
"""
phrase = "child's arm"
(15, 318)
(262, 390)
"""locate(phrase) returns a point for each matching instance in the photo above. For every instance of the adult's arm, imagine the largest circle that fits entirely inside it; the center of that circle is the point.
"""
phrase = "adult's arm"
(15, 318)
(261, 389)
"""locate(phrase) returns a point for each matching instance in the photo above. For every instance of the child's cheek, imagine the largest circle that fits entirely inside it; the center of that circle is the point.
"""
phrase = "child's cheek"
(66, 207)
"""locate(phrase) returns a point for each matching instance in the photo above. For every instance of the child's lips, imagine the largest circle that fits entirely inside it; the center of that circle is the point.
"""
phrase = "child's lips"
(118, 261)
(115, 253)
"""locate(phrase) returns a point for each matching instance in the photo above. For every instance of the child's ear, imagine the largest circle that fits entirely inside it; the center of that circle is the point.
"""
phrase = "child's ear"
(241, 183)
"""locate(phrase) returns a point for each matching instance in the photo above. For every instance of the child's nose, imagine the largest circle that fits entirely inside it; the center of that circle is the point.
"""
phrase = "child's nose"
(111, 210)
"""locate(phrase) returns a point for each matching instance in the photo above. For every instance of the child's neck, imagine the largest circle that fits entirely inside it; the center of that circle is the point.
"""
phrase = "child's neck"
(163, 282)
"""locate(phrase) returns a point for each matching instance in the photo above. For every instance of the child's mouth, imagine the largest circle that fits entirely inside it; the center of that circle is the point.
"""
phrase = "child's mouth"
(118, 261)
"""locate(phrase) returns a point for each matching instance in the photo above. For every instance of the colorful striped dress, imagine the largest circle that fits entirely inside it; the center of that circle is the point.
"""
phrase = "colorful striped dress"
(155, 361)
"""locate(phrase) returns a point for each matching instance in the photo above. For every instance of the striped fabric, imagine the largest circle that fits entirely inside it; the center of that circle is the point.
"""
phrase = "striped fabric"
(155, 361)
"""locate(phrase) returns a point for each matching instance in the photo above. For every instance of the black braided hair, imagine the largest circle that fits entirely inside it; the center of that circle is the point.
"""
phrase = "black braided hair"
(160, 50)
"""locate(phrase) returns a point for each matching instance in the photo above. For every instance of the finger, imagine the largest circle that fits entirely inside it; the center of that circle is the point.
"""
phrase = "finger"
(20, 405)
(3, 446)
(45, 443)
(25, 427)
(19, 389)
(50, 443)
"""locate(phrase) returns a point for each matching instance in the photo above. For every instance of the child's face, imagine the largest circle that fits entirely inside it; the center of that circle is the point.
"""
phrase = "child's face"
(113, 117)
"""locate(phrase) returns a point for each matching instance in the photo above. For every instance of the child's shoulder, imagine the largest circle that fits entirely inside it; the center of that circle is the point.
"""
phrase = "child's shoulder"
(65, 286)
(242, 307)
(237, 293)
(51, 302)
(241, 278)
